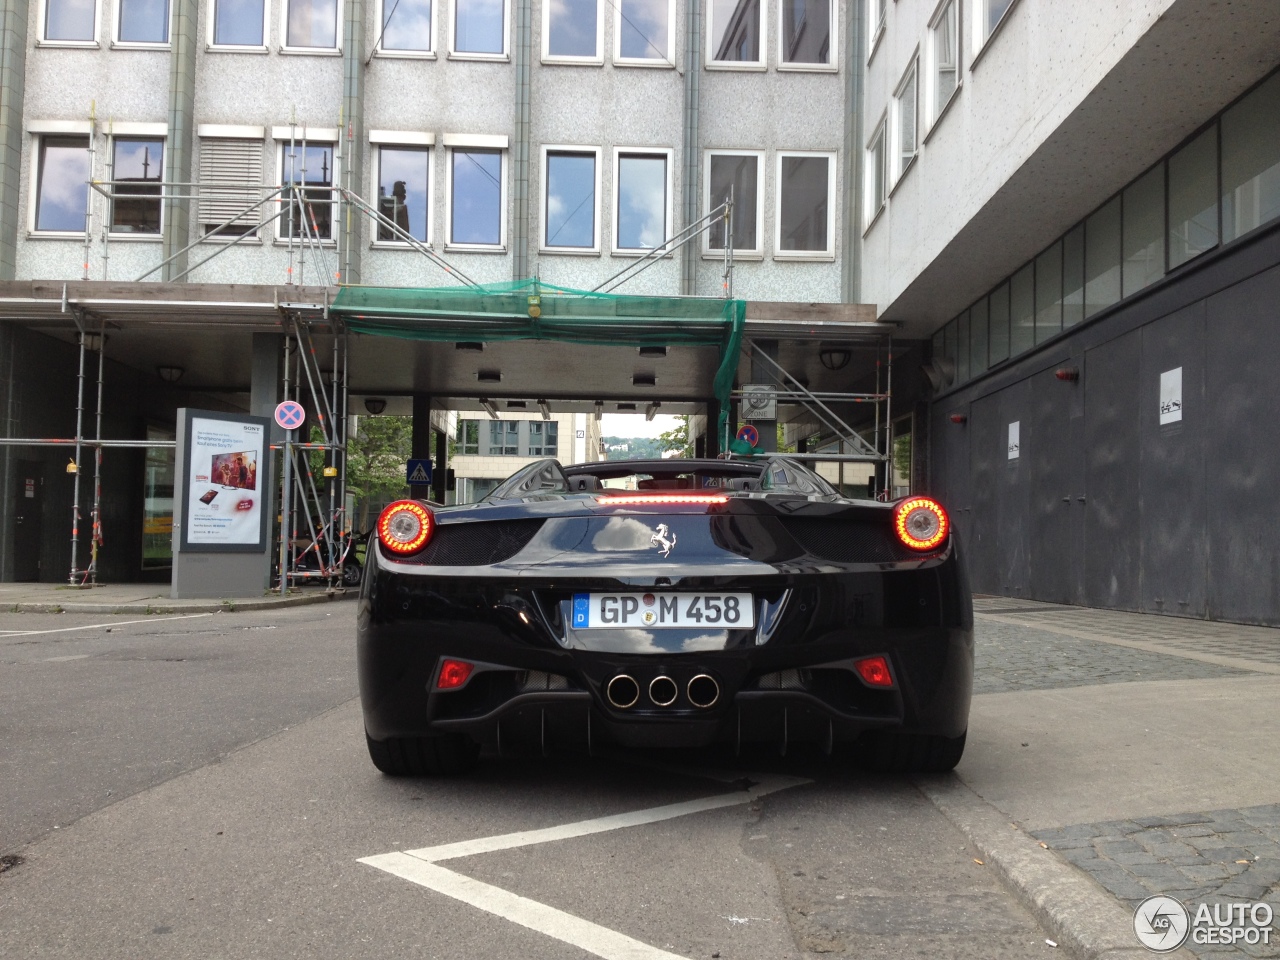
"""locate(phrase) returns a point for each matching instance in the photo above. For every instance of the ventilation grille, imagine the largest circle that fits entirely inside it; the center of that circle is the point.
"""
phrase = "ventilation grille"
(477, 544)
(235, 165)
(852, 542)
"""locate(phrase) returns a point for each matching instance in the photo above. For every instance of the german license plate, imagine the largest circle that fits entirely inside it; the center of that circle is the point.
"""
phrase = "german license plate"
(608, 611)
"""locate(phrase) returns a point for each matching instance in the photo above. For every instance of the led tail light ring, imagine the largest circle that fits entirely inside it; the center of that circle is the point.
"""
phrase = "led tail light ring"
(404, 527)
(921, 523)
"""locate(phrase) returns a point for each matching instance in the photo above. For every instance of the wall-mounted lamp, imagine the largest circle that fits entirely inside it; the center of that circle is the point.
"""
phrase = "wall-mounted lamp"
(651, 410)
(170, 374)
(375, 405)
(1069, 374)
(545, 408)
(834, 358)
(958, 418)
(490, 408)
(599, 410)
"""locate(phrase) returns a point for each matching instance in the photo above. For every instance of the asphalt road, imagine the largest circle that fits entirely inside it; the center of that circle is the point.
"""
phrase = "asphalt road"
(199, 787)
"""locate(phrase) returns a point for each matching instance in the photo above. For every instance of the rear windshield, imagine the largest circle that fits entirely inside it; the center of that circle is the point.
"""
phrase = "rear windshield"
(773, 475)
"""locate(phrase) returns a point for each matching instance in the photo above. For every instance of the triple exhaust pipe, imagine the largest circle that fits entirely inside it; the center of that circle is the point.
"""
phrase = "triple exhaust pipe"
(623, 691)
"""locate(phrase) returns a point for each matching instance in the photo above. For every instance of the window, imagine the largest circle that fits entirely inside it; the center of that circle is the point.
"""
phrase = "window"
(143, 21)
(736, 174)
(805, 205)
(1251, 161)
(157, 501)
(480, 27)
(642, 192)
(137, 167)
(572, 185)
(1102, 258)
(944, 44)
(877, 11)
(469, 436)
(978, 338)
(806, 37)
(406, 26)
(572, 30)
(231, 171)
(311, 212)
(311, 24)
(736, 35)
(239, 23)
(62, 181)
(643, 33)
(404, 186)
(1049, 293)
(875, 175)
(476, 197)
(1073, 277)
(987, 17)
(962, 347)
(543, 439)
(998, 307)
(1143, 231)
(504, 438)
(904, 121)
(1022, 310)
(1193, 198)
(70, 21)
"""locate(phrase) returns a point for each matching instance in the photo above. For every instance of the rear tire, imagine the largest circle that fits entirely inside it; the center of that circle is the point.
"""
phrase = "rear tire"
(442, 755)
(897, 751)
(351, 574)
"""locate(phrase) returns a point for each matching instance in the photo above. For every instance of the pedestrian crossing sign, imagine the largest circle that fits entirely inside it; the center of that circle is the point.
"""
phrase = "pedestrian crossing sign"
(417, 471)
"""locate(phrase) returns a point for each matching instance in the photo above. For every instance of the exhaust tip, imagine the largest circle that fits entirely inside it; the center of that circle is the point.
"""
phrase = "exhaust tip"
(663, 691)
(622, 691)
(703, 691)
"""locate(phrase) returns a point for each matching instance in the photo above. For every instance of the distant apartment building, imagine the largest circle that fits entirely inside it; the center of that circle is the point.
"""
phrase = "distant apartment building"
(488, 451)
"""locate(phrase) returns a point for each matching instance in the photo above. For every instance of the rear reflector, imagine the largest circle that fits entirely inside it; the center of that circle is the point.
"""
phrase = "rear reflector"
(660, 498)
(405, 526)
(921, 523)
(874, 671)
(453, 674)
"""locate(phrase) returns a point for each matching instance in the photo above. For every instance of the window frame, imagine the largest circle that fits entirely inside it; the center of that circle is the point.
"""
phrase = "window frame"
(592, 61)
(281, 146)
(214, 47)
(456, 54)
(897, 169)
(429, 54)
(870, 213)
(756, 253)
(43, 41)
(287, 48)
(562, 148)
(935, 111)
(132, 136)
(207, 132)
(117, 43)
(491, 145)
(380, 140)
(830, 252)
(760, 64)
(833, 46)
(665, 62)
(669, 215)
(76, 129)
(982, 40)
(874, 35)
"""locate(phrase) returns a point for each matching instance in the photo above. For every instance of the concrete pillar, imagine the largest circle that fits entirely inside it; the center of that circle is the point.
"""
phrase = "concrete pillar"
(763, 373)
(712, 438)
(520, 142)
(264, 374)
(689, 194)
(421, 441)
(13, 69)
(353, 145)
(184, 33)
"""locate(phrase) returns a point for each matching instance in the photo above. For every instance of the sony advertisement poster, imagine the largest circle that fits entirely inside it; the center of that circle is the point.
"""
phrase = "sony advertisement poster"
(225, 479)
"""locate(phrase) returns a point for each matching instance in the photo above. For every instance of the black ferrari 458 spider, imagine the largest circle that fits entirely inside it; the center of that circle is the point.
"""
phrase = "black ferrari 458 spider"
(665, 603)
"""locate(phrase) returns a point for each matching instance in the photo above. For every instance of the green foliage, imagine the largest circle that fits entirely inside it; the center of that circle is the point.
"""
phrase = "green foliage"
(636, 448)
(678, 439)
(376, 456)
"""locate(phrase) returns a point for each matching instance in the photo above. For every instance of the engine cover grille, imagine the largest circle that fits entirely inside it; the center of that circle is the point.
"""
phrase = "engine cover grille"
(475, 544)
(851, 542)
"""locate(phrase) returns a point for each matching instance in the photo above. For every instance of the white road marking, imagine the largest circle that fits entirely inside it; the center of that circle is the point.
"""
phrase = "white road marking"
(99, 626)
(420, 867)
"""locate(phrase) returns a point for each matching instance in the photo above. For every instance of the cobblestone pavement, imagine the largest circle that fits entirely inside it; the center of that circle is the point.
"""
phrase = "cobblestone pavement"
(1218, 857)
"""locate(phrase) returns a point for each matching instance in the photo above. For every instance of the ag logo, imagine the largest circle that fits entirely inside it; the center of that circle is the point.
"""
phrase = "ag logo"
(664, 539)
(1161, 923)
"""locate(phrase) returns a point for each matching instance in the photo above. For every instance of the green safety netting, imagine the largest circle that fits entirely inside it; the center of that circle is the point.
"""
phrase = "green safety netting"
(505, 311)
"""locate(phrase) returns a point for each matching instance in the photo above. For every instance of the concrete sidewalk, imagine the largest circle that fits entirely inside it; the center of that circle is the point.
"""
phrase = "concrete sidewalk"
(1117, 756)
(145, 598)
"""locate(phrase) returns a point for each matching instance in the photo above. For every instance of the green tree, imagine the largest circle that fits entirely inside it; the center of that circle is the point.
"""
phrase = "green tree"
(376, 454)
(677, 439)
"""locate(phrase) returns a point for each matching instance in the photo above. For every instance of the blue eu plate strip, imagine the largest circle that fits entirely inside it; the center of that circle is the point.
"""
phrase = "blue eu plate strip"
(581, 610)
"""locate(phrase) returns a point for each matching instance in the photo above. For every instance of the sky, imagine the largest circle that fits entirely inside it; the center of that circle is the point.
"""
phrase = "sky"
(635, 425)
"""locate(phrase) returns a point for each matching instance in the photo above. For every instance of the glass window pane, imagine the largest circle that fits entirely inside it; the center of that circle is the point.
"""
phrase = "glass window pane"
(998, 309)
(69, 20)
(1022, 310)
(478, 26)
(735, 31)
(1251, 161)
(907, 122)
(1144, 231)
(643, 29)
(995, 10)
(137, 168)
(940, 344)
(946, 53)
(313, 23)
(1073, 277)
(1193, 199)
(1049, 293)
(875, 175)
(741, 175)
(144, 21)
(238, 23)
(571, 200)
(642, 202)
(1102, 258)
(962, 347)
(802, 198)
(313, 164)
(402, 191)
(476, 204)
(978, 338)
(62, 190)
(806, 31)
(572, 28)
(406, 25)
(998, 329)
(949, 341)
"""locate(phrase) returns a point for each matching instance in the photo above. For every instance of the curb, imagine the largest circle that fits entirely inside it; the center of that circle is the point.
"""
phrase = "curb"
(180, 606)
(1084, 919)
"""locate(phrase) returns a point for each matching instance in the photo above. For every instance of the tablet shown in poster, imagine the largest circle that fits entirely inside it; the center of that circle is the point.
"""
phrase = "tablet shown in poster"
(224, 499)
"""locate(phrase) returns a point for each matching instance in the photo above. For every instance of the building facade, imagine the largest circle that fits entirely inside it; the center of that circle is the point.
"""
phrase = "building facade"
(487, 451)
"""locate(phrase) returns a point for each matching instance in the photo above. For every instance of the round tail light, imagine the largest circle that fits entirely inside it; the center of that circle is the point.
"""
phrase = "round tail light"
(404, 527)
(921, 523)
